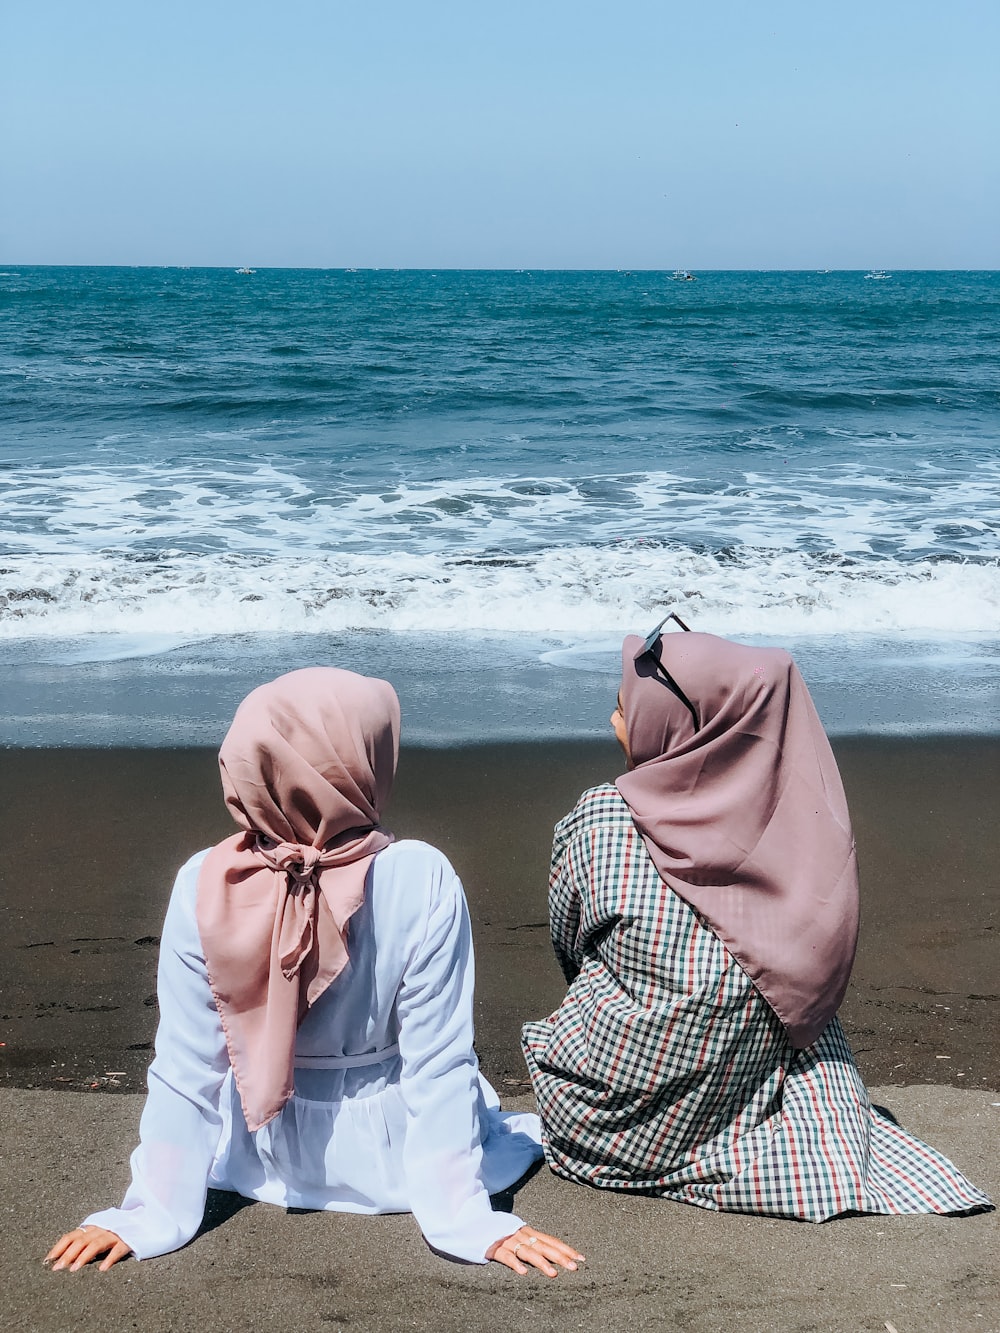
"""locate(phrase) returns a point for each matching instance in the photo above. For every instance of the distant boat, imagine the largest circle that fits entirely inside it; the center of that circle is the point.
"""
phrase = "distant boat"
(246, 270)
(682, 275)
(879, 274)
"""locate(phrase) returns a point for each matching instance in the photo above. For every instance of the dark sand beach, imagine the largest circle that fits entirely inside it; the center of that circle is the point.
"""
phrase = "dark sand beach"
(94, 839)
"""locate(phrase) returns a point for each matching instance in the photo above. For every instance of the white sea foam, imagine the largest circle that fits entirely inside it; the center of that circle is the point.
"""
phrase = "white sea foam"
(275, 510)
(209, 548)
(584, 590)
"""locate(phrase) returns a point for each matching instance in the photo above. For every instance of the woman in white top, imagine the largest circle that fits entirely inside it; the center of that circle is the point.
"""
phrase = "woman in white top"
(315, 987)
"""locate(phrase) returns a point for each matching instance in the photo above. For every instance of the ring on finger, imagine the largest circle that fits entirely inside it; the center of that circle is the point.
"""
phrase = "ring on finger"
(532, 1240)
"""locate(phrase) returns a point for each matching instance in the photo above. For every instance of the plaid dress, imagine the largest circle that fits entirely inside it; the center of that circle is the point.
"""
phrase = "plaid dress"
(665, 1071)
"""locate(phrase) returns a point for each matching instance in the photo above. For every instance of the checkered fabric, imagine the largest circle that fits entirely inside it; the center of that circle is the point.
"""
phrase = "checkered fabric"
(665, 1071)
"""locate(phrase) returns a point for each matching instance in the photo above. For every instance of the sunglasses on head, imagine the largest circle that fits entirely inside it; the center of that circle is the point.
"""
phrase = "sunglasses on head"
(650, 649)
(652, 638)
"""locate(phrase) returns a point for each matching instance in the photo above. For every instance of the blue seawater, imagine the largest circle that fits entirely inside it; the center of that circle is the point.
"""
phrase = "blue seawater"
(420, 466)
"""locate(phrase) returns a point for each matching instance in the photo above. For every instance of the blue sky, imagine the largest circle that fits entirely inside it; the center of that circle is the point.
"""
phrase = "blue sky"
(558, 134)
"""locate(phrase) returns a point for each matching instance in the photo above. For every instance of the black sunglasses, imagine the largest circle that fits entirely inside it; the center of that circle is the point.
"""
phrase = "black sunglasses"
(648, 649)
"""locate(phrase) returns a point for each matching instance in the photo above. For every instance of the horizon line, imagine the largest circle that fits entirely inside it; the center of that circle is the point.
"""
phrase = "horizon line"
(502, 268)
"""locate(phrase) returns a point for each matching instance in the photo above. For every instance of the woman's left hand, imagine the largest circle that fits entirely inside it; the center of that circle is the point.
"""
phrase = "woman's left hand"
(528, 1246)
(81, 1246)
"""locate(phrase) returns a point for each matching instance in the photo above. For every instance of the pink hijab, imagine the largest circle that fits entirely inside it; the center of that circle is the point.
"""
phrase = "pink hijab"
(307, 767)
(745, 816)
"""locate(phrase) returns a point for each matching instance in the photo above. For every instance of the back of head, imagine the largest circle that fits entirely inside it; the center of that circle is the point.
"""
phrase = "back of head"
(731, 686)
(311, 755)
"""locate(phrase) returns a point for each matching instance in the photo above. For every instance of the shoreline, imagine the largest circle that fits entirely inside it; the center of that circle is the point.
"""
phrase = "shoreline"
(101, 832)
(458, 689)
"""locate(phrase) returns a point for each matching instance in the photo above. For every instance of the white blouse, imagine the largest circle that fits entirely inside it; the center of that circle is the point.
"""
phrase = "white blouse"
(390, 1113)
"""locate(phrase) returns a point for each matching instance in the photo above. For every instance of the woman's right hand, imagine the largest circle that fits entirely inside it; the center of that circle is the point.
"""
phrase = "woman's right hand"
(85, 1244)
(528, 1246)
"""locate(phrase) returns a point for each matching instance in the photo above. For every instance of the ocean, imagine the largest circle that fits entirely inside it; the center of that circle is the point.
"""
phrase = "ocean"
(475, 482)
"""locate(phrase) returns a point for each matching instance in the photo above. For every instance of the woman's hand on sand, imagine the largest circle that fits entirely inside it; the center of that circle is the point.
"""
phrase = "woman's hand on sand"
(528, 1246)
(85, 1244)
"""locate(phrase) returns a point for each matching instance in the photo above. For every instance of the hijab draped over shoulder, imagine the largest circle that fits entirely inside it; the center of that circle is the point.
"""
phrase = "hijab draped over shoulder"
(307, 767)
(743, 812)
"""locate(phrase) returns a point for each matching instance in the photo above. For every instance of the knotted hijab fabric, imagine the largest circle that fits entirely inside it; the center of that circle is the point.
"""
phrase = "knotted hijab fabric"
(744, 815)
(307, 767)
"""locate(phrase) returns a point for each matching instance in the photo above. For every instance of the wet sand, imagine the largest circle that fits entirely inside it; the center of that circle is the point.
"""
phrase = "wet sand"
(96, 836)
(94, 839)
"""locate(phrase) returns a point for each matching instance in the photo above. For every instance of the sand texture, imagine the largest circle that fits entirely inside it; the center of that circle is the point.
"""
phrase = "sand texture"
(93, 840)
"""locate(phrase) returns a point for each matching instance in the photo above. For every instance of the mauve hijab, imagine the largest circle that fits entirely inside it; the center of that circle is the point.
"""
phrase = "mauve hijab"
(745, 816)
(307, 767)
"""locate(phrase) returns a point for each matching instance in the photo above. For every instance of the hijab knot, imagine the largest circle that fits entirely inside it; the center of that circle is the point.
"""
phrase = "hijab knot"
(295, 867)
(297, 862)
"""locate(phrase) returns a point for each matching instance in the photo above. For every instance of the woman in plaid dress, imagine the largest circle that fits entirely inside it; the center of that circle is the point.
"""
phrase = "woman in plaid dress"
(704, 912)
